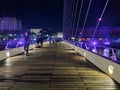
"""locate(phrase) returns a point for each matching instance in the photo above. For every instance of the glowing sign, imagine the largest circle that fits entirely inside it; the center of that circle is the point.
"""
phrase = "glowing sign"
(8, 54)
(110, 69)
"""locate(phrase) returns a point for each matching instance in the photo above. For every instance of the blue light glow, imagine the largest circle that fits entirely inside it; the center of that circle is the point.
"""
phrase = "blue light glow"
(20, 42)
(94, 43)
(107, 43)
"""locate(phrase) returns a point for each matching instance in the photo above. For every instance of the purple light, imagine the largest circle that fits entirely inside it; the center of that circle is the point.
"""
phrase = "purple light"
(106, 43)
(94, 50)
(100, 19)
(20, 42)
(94, 43)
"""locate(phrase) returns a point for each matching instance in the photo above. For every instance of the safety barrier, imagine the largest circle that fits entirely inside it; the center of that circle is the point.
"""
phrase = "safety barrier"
(14, 51)
(110, 67)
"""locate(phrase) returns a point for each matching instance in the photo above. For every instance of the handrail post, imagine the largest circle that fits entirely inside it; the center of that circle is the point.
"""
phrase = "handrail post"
(113, 56)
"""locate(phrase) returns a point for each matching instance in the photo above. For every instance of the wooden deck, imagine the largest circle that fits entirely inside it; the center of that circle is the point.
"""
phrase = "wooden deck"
(52, 68)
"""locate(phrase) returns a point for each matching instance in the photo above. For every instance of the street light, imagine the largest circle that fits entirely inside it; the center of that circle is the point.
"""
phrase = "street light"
(100, 19)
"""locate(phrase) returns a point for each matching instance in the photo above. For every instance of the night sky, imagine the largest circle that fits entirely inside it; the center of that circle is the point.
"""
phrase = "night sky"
(111, 16)
(35, 13)
(49, 13)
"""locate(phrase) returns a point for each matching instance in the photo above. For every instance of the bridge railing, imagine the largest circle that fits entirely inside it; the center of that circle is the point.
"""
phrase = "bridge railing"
(10, 44)
(104, 58)
(13, 51)
(104, 51)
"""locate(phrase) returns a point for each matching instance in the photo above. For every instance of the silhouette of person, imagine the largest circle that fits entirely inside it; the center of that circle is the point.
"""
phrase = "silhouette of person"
(41, 41)
(26, 42)
(37, 41)
(50, 40)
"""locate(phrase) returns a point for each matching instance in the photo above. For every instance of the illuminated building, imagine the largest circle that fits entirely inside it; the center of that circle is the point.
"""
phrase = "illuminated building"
(10, 23)
(36, 30)
(60, 34)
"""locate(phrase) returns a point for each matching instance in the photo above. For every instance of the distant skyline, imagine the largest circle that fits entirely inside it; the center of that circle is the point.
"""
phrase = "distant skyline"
(35, 13)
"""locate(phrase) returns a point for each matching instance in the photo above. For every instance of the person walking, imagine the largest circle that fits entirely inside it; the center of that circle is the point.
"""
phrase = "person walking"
(37, 42)
(26, 42)
(41, 41)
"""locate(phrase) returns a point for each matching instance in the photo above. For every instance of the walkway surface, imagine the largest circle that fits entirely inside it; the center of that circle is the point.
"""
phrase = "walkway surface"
(52, 68)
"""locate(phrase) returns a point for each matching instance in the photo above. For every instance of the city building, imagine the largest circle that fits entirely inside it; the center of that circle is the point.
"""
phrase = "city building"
(10, 23)
(60, 35)
(36, 30)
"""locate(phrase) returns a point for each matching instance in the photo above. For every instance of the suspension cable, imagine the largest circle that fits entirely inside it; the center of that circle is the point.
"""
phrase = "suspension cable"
(70, 16)
(100, 19)
(67, 22)
(79, 18)
(86, 18)
(67, 18)
(64, 18)
(74, 17)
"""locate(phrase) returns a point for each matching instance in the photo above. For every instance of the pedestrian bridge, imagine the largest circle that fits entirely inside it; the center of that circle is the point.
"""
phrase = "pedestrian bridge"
(61, 66)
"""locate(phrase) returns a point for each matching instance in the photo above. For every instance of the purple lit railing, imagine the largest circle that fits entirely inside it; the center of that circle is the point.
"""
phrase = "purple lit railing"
(104, 51)
(9, 44)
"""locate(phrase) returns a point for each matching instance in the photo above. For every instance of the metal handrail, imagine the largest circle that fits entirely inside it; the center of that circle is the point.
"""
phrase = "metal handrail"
(104, 51)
